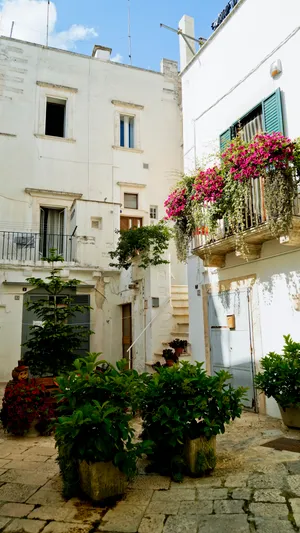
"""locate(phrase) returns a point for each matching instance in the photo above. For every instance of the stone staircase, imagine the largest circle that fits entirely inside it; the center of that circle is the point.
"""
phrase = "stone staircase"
(180, 322)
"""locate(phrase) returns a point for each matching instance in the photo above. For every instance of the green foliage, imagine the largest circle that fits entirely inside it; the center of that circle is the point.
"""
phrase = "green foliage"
(169, 354)
(147, 243)
(206, 461)
(51, 347)
(182, 402)
(97, 403)
(280, 378)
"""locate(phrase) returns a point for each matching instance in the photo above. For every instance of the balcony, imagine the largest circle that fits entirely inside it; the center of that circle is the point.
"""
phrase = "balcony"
(257, 231)
(33, 247)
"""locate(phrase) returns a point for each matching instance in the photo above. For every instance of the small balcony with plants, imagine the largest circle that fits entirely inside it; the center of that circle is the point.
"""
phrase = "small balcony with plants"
(250, 197)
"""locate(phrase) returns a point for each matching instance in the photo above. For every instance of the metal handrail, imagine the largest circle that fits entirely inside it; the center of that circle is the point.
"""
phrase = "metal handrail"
(28, 246)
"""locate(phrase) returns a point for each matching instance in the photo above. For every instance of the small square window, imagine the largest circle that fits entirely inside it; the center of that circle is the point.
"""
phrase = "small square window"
(96, 223)
(153, 212)
(55, 117)
(126, 131)
(130, 201)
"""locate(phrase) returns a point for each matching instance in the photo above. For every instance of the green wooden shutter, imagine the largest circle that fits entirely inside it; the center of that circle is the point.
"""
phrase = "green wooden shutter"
(272, 113)
(225, 138)
(82, 319)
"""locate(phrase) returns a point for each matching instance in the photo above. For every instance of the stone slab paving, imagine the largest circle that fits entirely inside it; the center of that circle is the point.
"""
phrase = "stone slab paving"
(253, 489)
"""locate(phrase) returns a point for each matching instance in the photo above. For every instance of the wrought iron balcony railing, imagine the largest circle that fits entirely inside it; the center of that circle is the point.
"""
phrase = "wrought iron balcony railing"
(255, 216)
(23, 246)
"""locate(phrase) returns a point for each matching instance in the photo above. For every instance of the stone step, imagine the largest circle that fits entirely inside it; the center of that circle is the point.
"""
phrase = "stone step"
(182, 312)
(183, 323)
(166, 343)
(180, 303)
(179, 334)
(179, 296)
(179, 289)
(185, 354)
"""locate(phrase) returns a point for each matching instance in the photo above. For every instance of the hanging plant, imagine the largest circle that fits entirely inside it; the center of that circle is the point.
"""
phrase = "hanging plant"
(179, 210)
(147, 244)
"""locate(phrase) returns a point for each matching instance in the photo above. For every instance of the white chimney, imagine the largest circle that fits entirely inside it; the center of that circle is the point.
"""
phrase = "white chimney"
(101, 52)
(187, 26)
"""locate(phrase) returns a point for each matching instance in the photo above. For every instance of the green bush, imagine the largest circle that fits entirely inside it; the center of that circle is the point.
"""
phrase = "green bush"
(97, 403)
(182, 402)
(280, 378)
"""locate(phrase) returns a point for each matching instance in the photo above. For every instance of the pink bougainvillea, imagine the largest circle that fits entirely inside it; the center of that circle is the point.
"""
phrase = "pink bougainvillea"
(246, 161)
(208, 185)
(175, 204)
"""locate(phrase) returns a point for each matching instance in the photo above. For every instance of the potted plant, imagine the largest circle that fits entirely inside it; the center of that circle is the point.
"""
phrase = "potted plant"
(94, 436)
(25, 409)
(179, 346)
(170, 357)
(51, 347)
(183, 409)
(280, 379)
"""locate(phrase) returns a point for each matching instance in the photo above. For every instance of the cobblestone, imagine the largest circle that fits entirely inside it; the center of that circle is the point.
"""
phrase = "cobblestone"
(228, 507)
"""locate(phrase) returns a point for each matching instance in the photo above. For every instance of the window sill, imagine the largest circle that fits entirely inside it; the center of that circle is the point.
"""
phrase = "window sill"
(52, 138)
(132, 150)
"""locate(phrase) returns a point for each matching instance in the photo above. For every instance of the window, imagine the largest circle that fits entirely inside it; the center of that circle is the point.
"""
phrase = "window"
(130, 222)
(52, 223)
(96, 223)
(153, 212)
(126, 131)
(130, 201)
(266, 116)
(55, 117)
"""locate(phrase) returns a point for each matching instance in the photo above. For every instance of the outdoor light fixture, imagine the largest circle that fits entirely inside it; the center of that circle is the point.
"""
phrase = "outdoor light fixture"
(276, 68)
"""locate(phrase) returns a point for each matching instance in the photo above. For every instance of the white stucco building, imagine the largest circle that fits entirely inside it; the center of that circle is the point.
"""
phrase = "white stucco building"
(231, 80)
(86, 146)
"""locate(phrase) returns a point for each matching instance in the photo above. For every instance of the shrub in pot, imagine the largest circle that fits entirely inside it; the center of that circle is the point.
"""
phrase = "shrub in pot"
(25, 406)
(96, 450)
(280, 379)
(170, 357)
(179, 345)
(183, 410)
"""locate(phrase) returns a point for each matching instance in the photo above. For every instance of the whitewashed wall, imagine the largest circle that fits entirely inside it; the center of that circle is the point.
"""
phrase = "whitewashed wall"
(229, 76)
(85, 171)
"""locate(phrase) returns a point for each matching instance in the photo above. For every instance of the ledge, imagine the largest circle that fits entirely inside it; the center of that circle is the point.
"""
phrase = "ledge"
(52, 138)
(119, 103)
(8, 134)
(56, 87)
(51, 193)
(214, 254)
(132, 150)
(133, 185)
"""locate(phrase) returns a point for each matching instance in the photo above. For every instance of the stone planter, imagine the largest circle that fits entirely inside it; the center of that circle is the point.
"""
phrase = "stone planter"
(102, 480)
(291, 416)
(200, 455)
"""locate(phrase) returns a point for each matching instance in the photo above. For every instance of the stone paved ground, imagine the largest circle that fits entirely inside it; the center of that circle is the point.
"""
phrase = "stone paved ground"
(252, 489)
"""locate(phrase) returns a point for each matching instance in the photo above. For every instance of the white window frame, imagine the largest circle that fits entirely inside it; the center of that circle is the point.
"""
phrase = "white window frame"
(155, 208)
(46, 92)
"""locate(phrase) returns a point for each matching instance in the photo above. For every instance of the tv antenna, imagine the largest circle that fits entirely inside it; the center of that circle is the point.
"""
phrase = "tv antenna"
(47, 33)
(186, 37)
(129, 34)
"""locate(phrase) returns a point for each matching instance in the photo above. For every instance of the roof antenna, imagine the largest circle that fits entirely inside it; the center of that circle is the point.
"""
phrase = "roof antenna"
(47, 36)
(185, 37)
(129, 35)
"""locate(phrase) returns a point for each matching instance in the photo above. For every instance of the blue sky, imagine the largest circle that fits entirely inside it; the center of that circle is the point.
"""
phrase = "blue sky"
(75, 23)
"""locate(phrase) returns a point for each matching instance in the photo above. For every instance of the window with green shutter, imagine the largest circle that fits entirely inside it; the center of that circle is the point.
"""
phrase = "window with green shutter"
(265, 117)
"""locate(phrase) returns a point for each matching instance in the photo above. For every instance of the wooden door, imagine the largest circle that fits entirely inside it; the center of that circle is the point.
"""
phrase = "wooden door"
(126, 332)
(130, 222)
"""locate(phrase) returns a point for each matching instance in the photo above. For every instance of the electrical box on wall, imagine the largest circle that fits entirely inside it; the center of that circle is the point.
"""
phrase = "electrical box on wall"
(155, 302)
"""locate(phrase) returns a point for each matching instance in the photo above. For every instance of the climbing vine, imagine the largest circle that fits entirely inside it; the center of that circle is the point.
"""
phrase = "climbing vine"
(146, 244)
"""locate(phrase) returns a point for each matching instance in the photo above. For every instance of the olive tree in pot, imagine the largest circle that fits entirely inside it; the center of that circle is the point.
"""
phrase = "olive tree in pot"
(96, 450)
(280, 379)
(183, 409)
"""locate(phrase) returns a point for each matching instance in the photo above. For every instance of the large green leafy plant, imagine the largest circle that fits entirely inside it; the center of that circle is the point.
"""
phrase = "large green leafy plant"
(181, 403)
(51, 348)
(97, 403)
(147, 244)
(280, 378)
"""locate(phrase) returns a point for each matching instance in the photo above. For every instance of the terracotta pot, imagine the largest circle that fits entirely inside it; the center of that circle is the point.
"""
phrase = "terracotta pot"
(101, 480)
(207, 449)
(178, 351)
(291, 416)
(170, 362)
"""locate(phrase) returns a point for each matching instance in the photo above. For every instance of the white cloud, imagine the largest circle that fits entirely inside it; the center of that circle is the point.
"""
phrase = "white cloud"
(117, 58)
(30, 24)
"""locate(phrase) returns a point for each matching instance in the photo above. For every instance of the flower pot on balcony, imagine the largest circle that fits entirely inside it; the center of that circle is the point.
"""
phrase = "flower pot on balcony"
(291, 416)
(200, 455)
(101, 480)
(178, 351)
